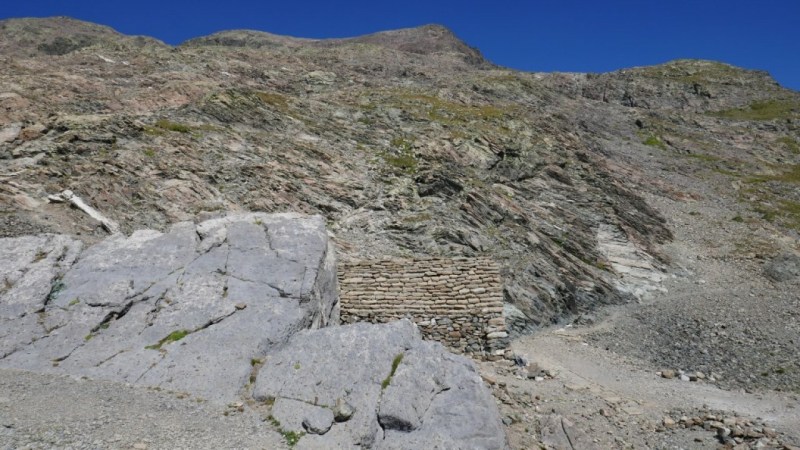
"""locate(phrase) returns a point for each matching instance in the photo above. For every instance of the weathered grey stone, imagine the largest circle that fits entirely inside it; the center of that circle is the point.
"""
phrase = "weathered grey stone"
(300, 417)
(433, 397)
(783, 268)
(186, 310)
(30, 271)
(342, 411)
(318, 420)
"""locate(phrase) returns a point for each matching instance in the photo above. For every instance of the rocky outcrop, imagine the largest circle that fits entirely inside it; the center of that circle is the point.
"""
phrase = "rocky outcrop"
(187, 310)
(210, 308)
(404, 392)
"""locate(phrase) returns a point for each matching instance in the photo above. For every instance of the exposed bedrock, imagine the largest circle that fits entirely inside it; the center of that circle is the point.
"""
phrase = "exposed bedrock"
(185, 310)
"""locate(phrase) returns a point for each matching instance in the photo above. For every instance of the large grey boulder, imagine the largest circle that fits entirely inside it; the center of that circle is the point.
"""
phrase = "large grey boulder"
(185, 310)
(406, 392)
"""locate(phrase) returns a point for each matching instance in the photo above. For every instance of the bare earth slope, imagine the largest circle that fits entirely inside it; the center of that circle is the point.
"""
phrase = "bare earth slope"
(668, 189)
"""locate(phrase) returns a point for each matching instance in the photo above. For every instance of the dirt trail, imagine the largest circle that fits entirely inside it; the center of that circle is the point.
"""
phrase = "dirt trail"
(602, 373)
(596, 384)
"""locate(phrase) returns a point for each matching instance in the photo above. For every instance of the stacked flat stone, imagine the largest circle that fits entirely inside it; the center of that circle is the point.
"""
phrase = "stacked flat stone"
(456, 301)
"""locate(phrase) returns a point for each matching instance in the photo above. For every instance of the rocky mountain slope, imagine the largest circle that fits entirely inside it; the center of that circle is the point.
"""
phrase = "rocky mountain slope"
(408, 142)
(669, 193)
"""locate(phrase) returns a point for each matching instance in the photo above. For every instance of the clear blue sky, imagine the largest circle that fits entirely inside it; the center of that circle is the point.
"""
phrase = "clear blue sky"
(553, 35)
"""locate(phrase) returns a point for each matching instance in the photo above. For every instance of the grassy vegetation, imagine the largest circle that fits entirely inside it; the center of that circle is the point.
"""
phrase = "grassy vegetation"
(278, 101)
(172, 337)
(401, 157)
(789, 176)
(165, 124)
(691, 71)
(291, 437)
(766, 110)
(769, 192)
(654, 141)
(395, 363)
(789, 143)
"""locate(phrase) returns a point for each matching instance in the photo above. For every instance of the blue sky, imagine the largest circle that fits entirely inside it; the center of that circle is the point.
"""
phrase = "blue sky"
(553, 35)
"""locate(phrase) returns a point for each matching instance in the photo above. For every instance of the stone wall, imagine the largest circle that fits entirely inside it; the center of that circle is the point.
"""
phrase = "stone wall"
(457, 301)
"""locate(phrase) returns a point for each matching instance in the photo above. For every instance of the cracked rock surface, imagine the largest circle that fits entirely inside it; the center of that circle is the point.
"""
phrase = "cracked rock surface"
(407, 393)
(187, 310)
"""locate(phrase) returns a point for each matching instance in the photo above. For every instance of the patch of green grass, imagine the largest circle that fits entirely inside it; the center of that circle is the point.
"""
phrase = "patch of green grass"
(149, 152)
(297, 366)
(395, 363)
(165, 124)
(602, 265)
(765, 110)
(654, 141)
(276, 100)
(401, 156)
(172, 337)
(792, 175)
(790, 143)
(691, 71)
(445, 112)
(738, 218)
(291, 437)
(153, 131)
(256, 362)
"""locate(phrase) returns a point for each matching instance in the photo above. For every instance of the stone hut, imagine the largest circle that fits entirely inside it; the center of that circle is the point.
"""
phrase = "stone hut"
(456, 301)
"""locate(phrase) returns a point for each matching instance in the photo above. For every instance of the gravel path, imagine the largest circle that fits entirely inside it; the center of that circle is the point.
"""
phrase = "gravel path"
(721, 314)
(49, 411)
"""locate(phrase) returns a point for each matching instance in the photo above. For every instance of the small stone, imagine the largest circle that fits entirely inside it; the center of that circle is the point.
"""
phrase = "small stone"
(342, 411)
(668, 374)
(241, 306)
(700, 375)
(684, 378)
(669, 422)
(140, 446)
(318, 420)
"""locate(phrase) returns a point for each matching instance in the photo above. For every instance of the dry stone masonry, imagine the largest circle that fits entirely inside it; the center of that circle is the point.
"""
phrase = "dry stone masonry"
(457, 301)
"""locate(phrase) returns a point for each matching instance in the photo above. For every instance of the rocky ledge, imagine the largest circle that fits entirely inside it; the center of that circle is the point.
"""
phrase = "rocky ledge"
(211, 308)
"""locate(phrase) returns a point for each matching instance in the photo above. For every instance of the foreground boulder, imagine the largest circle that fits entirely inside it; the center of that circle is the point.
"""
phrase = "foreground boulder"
(403, 392)
(185, 310)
